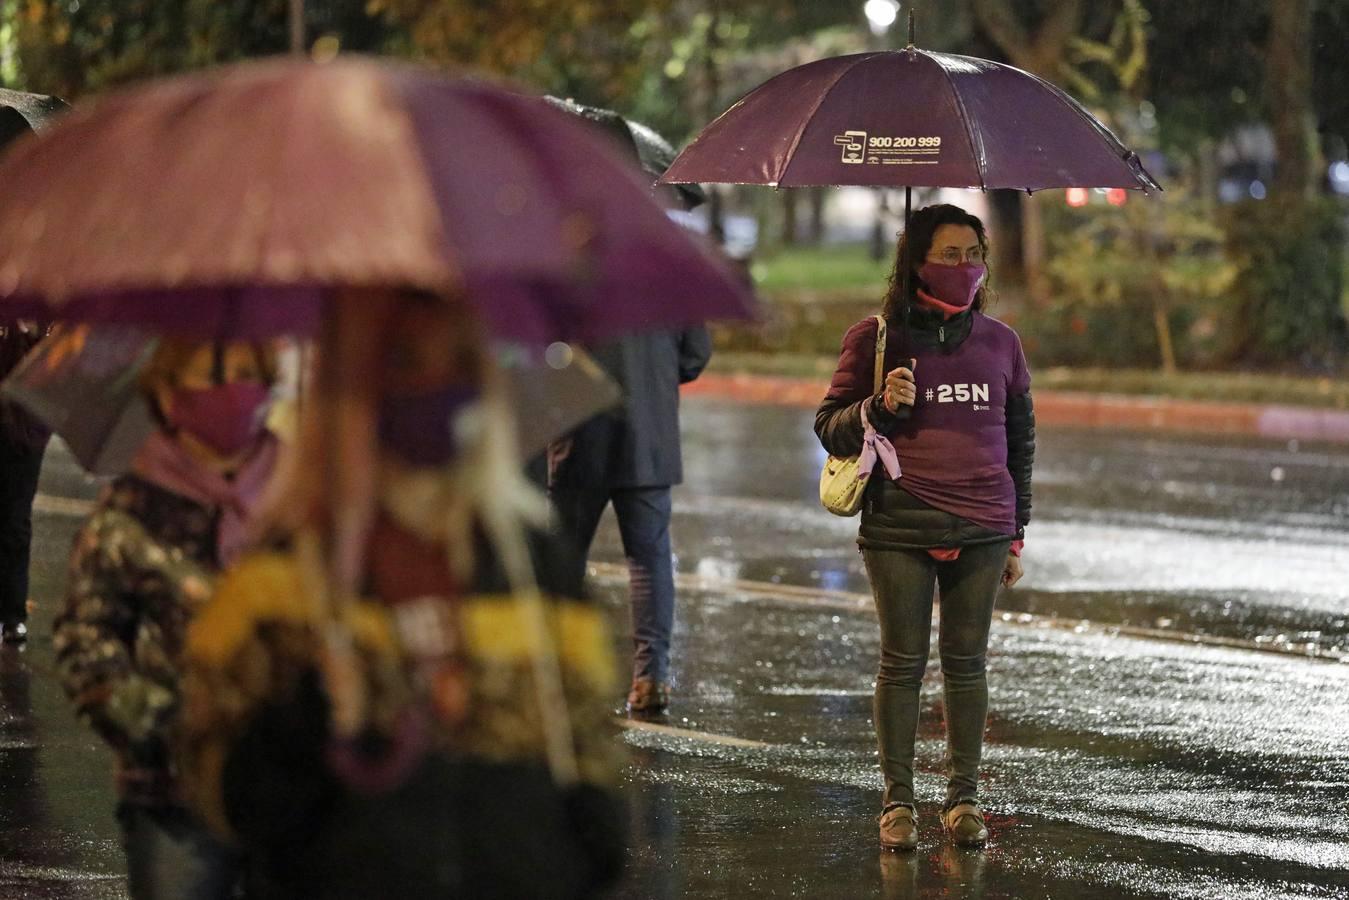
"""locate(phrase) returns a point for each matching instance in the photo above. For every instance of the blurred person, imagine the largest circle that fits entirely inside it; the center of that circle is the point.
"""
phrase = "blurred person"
(630, 457)
(402, 691)
(142, 567)
(23, 441)
(956, 408)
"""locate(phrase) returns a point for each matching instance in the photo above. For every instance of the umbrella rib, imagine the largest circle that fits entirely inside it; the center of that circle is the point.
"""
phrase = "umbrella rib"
(1096, 124)
(976, 145)
(819, 101)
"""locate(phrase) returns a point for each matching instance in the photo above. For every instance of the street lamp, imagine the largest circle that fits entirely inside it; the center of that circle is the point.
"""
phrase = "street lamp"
(881, 14)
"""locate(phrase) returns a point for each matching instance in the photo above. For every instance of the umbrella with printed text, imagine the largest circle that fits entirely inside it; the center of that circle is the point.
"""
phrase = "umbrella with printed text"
(909, 118)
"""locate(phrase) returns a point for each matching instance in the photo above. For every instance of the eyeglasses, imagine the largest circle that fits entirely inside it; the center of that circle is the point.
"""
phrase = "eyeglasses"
(953, 257)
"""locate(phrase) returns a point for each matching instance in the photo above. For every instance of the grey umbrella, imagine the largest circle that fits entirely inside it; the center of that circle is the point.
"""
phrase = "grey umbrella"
(81, 382)
(21, 113)
(654, 153)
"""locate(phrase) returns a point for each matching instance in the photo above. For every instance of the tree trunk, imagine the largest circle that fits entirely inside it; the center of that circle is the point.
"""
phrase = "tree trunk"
(1162, 322)
(1041, 52)
(297, 43)
(1288, 77)
(879, 245)
(715, 210)
(816, 234)
(1033, 252)
(790, 235)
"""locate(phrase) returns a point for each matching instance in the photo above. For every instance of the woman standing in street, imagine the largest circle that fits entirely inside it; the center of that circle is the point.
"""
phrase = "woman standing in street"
(956, 406)
(142, 567)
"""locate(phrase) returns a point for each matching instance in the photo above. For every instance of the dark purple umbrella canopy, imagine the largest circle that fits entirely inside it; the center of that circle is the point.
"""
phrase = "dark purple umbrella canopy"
(909, 118)
(232, 203)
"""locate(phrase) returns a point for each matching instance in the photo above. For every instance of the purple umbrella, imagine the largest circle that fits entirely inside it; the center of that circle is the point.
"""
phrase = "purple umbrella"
(909, 118)
(231, 203)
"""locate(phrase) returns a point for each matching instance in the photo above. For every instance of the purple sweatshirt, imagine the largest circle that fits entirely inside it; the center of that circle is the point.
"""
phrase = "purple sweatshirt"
(953, 448)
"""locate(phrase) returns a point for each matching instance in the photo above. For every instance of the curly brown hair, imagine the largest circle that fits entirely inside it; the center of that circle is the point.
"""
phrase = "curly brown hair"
(922, 227)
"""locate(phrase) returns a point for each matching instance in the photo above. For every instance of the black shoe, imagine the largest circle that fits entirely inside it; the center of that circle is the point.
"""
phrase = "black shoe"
(14, 633)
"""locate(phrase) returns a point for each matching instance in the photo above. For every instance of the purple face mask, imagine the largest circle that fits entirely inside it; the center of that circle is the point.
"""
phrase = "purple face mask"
(956, 285)
(227, 418)
(419, 428)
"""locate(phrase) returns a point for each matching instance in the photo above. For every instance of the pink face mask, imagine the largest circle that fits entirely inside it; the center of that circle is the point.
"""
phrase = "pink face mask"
(228, 418)
(955, 286)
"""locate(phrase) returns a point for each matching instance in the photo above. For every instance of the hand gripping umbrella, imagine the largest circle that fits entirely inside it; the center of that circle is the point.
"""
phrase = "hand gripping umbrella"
(909, 118)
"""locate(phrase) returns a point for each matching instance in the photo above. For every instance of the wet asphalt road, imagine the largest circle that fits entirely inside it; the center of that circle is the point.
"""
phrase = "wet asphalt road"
(1116, 765)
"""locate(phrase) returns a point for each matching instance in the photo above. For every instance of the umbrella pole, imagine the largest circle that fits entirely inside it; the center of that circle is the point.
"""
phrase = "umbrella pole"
(907, 263)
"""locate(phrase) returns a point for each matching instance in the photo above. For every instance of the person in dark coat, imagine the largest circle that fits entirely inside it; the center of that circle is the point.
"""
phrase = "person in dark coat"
(631, 457)
(956, 408)
(23, 441)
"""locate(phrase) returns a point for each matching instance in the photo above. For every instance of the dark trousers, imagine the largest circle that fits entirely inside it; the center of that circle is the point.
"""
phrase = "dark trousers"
(644, 522)
(902, 582)
(20, 465)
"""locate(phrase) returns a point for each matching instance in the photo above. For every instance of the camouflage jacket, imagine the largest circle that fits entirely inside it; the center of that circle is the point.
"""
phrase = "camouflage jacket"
(257, 750)
(141, 567)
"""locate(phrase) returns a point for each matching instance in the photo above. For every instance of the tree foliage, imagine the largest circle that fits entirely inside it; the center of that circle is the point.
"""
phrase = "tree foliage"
(72, 47)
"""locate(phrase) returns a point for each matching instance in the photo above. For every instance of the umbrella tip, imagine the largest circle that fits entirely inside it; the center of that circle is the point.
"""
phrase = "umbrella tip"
(911, 44)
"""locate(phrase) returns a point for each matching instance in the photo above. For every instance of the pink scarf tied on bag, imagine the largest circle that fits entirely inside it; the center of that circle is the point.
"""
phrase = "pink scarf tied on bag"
(876, 446)
(162, 461)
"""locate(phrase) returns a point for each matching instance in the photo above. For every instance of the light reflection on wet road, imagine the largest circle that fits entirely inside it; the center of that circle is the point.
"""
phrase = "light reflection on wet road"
(1116, 767)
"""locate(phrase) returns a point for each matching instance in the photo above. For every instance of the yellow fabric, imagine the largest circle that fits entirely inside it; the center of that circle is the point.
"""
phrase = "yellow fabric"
(269, 586)
(495, 632)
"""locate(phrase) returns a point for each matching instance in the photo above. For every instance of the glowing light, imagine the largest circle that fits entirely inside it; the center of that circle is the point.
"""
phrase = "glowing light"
(1078, 196)
(881, 14)
(1116, 196)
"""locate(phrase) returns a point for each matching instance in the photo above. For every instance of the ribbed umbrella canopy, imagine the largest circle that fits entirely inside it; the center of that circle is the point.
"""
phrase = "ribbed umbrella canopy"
(232, 203)
(909, 118)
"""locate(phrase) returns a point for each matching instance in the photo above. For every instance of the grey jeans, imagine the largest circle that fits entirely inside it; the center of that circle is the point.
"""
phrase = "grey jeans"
(902, 582)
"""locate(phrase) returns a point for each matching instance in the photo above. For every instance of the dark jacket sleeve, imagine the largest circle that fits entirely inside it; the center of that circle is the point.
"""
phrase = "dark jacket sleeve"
(695, 351)
(1021, 452)
(838, 420)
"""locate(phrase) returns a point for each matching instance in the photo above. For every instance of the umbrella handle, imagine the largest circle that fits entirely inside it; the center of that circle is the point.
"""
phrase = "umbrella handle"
(508, 535)
(339, 667)
(906, 263)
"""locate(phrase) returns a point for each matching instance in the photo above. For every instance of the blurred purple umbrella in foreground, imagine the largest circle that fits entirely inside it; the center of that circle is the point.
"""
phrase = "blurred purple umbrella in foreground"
(228, 203)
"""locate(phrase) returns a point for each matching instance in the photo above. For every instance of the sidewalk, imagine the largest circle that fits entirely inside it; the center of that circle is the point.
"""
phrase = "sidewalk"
(1081, 410)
